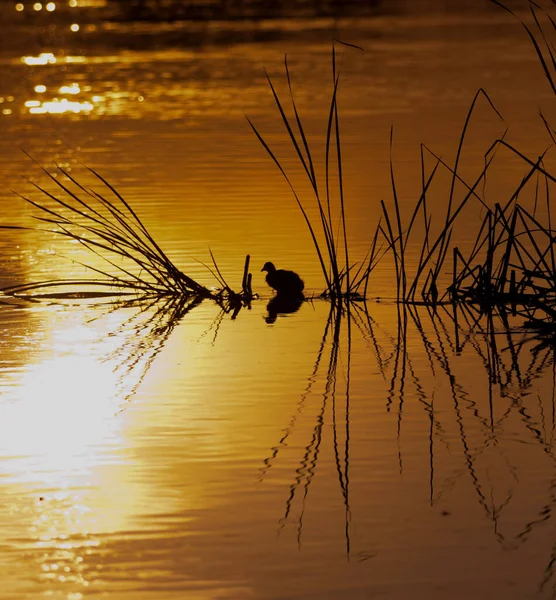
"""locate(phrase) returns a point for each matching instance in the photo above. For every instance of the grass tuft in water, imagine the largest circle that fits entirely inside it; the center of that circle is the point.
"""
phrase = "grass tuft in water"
(333, 249)
(107, 226)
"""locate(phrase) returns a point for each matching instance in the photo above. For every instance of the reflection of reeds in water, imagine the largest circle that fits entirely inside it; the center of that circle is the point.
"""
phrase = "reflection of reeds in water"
(511, 366)
(331, 399)
(144, 334)
(474, 430)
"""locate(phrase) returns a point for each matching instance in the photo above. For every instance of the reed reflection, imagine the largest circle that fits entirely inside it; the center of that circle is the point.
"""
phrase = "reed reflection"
(484, 431)
(494, 417)
(332, 399)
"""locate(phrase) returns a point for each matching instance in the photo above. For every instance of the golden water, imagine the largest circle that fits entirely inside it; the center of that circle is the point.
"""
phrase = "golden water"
(151, 452)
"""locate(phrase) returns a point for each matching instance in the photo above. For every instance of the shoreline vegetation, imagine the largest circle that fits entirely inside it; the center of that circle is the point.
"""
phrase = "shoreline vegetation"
(511, 265)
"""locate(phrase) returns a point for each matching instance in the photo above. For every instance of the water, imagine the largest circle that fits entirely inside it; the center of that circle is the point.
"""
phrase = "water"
(156, 450)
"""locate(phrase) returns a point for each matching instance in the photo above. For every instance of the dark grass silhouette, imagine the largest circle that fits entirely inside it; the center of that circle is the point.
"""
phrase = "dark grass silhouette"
(104, 223)
(513, 260)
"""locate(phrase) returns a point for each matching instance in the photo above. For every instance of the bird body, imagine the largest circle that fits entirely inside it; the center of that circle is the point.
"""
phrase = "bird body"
(286, 283)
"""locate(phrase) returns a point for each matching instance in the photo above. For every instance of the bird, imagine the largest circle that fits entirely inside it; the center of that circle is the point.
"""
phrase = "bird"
(286, 283)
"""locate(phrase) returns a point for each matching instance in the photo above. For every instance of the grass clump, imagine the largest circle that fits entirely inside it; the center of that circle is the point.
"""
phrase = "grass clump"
(341, 278)
(512, 259)
(106, 225)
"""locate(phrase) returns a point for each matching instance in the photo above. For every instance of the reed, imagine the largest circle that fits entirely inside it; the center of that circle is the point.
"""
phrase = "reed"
(393, 235)
(106, 225)
(333, 249)
(539, 36)
(512, 258)
(511, 261)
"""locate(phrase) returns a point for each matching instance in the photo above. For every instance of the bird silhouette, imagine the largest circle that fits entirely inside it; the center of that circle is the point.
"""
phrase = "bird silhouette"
(286, 283)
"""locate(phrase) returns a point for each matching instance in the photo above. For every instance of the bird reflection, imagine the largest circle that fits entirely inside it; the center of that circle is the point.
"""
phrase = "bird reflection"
(283, 304)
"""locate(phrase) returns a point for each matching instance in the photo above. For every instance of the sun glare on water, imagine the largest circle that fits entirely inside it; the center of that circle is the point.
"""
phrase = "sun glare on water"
(64, 411)
(60, 431)
(64, 408)
(44, 58)
(58, 106)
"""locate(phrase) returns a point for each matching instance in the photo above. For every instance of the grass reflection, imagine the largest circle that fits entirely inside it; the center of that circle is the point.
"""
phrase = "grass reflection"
(512, 362)
(299, 488)
(484, 433)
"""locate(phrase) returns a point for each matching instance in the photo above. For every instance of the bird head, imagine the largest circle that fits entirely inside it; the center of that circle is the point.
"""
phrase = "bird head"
(268, 266)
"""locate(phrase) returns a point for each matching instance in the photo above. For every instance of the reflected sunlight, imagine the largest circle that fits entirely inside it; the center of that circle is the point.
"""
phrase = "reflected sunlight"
(81, 474)
(61, 105)
(67, 477)
(61, 429)
(44, 58)
(59, 527)
(65, 408)
(70, 89)
(87, 3)
(57, 106)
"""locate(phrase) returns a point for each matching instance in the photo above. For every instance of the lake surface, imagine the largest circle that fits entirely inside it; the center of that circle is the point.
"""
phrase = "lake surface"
(165, 450)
